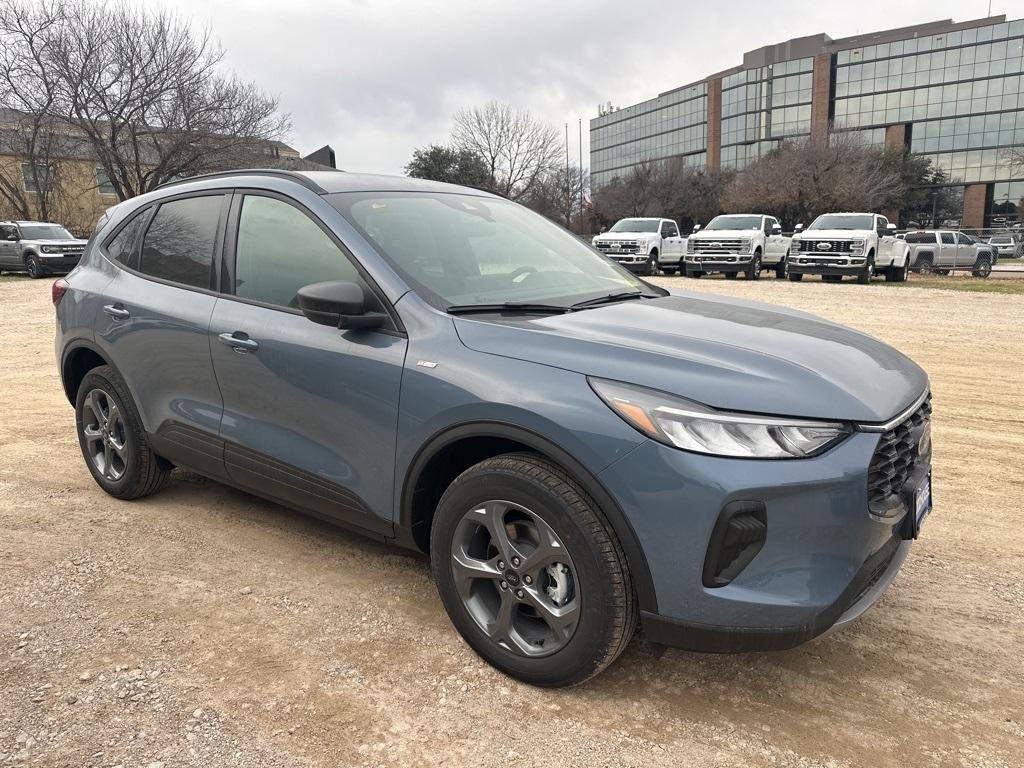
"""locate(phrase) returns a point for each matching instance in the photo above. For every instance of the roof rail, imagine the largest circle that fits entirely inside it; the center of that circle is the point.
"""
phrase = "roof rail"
(298, 178)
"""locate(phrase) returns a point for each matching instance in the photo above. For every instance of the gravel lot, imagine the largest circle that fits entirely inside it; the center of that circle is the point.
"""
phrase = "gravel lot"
(206, 627)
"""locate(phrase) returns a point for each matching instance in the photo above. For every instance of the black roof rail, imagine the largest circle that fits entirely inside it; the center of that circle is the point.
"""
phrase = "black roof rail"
(298, 178)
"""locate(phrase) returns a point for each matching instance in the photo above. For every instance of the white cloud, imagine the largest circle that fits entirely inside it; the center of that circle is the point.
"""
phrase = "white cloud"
(377, 78)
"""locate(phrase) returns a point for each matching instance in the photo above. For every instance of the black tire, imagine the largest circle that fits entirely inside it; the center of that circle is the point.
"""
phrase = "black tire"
(33, 267)
(796, 277)
(896, 274)
(832, 278)
(982, 268)
(695, 273)
(730, 275)
(607, 610)
(753, 271)
(923, 266)
(781, 270)
(651, 267)
(865, 275)
(141, 472)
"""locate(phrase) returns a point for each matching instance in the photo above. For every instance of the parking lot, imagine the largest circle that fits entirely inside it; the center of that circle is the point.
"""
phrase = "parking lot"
(204, 626)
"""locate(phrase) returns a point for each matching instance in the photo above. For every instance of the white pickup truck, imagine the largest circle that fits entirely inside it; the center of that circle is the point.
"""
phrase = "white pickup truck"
(737, 243)
(859, 245)
(643, 245)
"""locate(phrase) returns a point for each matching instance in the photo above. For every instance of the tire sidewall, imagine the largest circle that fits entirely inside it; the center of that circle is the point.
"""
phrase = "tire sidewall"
(592, 635)
(105, 379)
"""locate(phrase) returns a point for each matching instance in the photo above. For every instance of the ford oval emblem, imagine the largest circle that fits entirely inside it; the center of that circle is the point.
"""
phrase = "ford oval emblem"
(715, 245)
(824, 246)
(616, 245)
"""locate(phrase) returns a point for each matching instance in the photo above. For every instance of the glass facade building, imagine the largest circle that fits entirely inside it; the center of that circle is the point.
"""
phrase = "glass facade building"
(953, 92)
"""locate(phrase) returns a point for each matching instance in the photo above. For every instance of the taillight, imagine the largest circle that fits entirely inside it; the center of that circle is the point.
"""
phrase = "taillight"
(60, 287)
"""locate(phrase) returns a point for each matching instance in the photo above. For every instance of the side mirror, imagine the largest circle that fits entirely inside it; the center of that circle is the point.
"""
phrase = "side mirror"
(776, 230)
(890, 229)
(339, 304)
(12, 238)
(696, 228)
(798, 228)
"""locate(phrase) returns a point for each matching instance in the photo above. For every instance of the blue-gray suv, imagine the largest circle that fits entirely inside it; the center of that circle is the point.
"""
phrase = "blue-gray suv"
(576, 450)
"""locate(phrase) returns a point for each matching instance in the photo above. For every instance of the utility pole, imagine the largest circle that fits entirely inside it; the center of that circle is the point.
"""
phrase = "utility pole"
(568, 186)
(581, 174)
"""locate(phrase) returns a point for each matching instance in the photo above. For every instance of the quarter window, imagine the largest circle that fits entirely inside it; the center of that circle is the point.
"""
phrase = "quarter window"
(123, 247)
(180, 240)
(280, 250)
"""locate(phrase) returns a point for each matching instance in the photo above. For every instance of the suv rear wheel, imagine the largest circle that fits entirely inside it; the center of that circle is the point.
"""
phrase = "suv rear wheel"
(112, 439)
(530, 573)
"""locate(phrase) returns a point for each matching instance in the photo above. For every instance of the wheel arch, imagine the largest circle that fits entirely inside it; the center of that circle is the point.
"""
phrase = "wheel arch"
(78, 359)
(448, 453)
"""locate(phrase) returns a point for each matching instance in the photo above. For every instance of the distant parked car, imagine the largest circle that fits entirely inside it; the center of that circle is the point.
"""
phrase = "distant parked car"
(860, 245)
(737, 243)
(944, 250)
(643, 245)
(38, 247)
(1006, 246)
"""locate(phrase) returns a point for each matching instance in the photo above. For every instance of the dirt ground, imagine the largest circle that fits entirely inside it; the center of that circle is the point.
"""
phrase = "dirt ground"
(205, 627)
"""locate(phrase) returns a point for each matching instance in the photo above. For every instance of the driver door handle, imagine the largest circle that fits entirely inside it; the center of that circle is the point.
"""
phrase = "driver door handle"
(239, 341)
(117, 311)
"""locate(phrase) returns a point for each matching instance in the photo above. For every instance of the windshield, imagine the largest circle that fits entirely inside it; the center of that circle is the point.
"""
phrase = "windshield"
(635, 225)
(44, 232)
(468, 250)
(734, 222)
(844, 221)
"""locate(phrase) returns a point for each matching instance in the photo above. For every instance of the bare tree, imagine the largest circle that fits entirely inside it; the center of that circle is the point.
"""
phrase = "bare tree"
(518, 148)
(558, 194)
(144, 93)
(801, 179)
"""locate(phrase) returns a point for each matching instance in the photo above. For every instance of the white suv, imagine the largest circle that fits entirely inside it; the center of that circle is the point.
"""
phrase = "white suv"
(859, 245)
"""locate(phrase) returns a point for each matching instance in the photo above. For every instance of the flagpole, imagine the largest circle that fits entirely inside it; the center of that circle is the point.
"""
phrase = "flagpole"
(581, 173)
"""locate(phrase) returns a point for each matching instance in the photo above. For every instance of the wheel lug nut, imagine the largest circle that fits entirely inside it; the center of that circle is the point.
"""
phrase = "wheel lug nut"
(516, 561)
(501, 563)
(519, 594)
(528, 579)
(504, 585)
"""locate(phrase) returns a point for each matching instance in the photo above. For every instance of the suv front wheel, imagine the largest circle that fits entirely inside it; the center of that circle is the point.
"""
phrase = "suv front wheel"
(112, 439)
(530, 573)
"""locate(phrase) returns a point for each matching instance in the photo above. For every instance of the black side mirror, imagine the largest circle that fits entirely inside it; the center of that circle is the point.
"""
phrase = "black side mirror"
(798, 228)
(339, 304)
(776, 230)
(696, 228)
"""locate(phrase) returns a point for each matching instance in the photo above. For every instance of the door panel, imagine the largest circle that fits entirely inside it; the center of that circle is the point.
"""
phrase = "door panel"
(157, 336)
(311, 413)
(947, 249)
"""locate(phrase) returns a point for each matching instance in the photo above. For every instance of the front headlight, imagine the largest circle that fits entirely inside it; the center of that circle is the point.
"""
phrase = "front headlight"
(856, 246)
(690, 245)
(48, 249)
(794, 247)
(695, 427)
(745, 246)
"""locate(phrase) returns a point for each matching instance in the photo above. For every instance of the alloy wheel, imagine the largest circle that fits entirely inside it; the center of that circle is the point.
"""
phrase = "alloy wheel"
(106, 435)
(515, 578)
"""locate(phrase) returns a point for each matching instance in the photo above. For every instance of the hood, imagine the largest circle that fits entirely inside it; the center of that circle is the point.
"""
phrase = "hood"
(61, 241)
(833, 234)
(726, 234)
(610, 236)
(728, 354)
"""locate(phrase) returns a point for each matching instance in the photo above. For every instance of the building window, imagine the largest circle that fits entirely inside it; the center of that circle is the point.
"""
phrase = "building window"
(37, 177)
(103, 183)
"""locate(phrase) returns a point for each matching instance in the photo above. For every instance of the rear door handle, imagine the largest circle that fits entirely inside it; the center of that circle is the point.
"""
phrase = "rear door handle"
(239, 341)
(117, 311)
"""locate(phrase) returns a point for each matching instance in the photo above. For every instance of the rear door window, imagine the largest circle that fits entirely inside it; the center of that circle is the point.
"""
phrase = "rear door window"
(181, 239)
(947, 238)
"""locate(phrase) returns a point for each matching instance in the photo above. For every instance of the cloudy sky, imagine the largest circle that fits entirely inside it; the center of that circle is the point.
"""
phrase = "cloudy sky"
(377, 78)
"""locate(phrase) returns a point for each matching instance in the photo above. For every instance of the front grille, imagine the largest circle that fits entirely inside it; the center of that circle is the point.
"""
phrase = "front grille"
(893, 461)
(716, 246)
(834, 246)
(623, 246)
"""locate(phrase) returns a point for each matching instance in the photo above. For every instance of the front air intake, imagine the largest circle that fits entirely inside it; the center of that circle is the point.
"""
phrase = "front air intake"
(738, 536)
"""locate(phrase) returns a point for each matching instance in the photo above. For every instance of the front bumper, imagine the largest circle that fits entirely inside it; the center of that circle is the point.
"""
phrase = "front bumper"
(714, 262)
(822, 562)
(811, 266)
(59, 262)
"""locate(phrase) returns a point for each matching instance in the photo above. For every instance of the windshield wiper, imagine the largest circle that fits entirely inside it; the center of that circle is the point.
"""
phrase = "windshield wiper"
(609, 298)
(507, 306)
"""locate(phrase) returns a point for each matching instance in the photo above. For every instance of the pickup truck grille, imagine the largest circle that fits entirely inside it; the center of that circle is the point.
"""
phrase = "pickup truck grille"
(708, 245)
(617, 246)
(834, 246)
(894, 460)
